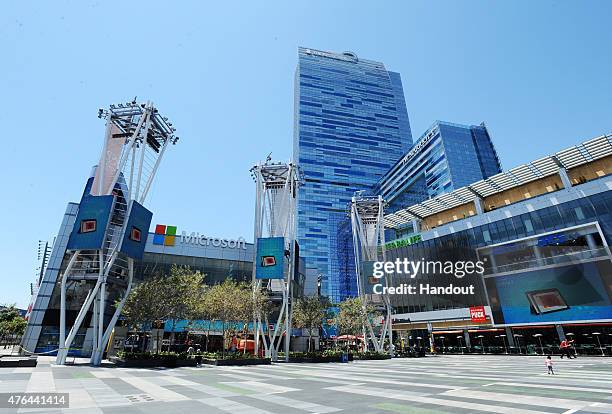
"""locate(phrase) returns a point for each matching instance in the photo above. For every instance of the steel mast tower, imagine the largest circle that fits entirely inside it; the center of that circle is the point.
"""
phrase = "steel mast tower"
(112, 224)
(275, 217)
(367, 222)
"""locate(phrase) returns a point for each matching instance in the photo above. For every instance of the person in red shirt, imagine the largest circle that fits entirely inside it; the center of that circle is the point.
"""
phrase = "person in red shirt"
(565, 348)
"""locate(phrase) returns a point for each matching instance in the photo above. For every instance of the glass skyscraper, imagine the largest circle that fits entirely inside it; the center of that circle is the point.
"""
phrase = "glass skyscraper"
(351, 126)
(446, 157)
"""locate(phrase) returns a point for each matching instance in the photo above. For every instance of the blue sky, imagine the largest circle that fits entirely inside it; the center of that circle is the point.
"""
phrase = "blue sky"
(538, 73)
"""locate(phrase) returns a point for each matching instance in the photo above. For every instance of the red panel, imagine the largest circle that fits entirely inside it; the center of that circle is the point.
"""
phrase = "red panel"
(477, 314)
(160, 229)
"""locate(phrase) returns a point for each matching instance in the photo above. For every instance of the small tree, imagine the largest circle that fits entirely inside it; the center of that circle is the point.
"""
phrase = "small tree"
(262, 308)
(352, 316)
(12, 324)
(183, 290)
(203, 311)
(308, 313)
(145, 304)
(225, 302)
(166, 298)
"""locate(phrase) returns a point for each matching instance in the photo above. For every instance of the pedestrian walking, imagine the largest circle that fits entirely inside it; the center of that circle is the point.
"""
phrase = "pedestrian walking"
(564, 347)
(198, 357)
(549, 365)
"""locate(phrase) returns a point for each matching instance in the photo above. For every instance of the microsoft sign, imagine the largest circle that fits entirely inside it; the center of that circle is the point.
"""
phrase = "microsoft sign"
(166, 236)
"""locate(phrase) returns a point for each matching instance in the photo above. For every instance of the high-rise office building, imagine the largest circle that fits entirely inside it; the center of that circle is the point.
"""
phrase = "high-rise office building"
(446, 157)
(351, 126)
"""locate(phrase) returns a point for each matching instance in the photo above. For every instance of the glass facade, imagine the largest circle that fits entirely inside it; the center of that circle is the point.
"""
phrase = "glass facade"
(351, 126)
(215, 270)
(531, 248)
(446, 157)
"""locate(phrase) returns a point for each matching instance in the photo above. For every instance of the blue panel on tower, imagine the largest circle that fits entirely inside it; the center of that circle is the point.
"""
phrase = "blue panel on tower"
(136, 231)
(91, 222)
(271, 260)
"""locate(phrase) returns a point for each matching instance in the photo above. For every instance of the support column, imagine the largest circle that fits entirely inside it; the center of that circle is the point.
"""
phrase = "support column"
(62, 329)
(432, 343)
(466, 337)
(94, 326)
(510, 337)
(560, 332)
(416, 225)
(591, 242)
(478, 205)
(567, 183)
(538, 255)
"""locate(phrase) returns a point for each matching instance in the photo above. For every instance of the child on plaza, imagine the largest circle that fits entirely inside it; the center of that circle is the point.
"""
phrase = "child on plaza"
(549, 364)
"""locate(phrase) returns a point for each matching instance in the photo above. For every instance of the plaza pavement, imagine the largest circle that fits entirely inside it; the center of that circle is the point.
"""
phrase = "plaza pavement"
(431, 385)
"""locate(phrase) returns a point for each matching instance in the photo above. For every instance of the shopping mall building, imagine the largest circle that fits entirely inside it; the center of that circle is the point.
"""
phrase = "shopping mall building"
(542, 231)
(216, 258)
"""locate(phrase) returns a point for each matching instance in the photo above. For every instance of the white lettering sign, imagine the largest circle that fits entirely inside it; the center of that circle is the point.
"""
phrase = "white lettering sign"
(202, 240)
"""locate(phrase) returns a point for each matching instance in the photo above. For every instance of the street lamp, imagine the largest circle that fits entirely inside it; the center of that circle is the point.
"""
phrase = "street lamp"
(539, 336)
(518, 342)
(481, 343)
(460, 338)
(599, 342)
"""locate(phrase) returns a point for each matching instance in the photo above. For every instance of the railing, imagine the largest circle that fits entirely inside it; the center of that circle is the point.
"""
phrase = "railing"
(530, 349)
(573, 257)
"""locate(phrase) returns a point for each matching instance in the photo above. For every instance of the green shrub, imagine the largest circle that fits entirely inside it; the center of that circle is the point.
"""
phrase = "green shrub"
(161, 356)
(332, 353)
(370, 355)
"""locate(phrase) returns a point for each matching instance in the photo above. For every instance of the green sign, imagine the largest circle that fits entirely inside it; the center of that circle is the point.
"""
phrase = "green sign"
(403, 242)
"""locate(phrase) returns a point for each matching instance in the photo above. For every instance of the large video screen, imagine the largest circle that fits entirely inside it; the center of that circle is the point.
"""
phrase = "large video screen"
(576, 292)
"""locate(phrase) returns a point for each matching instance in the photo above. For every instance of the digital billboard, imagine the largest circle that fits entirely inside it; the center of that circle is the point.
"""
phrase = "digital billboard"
(270, 259)
(575, 292)
(560, 276)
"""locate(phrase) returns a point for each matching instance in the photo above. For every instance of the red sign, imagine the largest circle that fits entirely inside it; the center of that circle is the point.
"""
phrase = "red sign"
(477, 314)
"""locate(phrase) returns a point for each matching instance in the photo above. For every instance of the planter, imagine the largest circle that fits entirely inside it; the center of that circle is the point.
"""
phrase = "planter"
(316, 360)
(373, 358)
(152, 363)
(18, 362)
(237, 362)
(313, 360)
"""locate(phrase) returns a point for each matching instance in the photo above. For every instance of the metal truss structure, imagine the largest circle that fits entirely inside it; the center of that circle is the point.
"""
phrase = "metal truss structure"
(367, 223)
(275, 216)
(44, 252)
(135, 141)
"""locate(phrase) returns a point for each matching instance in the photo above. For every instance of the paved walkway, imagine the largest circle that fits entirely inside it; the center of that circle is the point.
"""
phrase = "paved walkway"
(432, 385)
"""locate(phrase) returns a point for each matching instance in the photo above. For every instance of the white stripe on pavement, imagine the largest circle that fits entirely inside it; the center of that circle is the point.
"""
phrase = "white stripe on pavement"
(555, 387)
(292, 403)
(522, 399)
(399, 395)
(154, 390)
(260, 387)
(359, 378)
(216, 392)
(232, 406)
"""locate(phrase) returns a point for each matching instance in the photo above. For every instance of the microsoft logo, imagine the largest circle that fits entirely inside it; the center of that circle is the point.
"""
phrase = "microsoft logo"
(164, 235)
